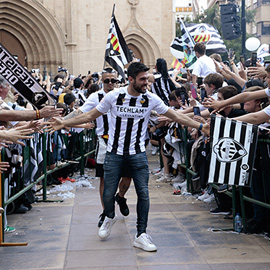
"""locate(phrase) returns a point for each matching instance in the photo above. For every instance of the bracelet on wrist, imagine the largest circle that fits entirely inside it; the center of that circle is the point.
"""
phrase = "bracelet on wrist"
(200, 127)
(38, 114)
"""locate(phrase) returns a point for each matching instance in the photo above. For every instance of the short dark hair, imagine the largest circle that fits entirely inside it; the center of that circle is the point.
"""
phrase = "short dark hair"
(200, 48)
(64, 107)
(172, 96)
(228, 91)
(215, 79)
(69, 98)
(180, 90)
(135, 68)
(59, 76)
(78, 82)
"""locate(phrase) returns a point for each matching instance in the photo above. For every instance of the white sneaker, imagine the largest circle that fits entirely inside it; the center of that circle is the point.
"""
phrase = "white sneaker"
(165, 179)
(160, 172)
(204, 196)
(144, 241)
(154, 150)
(179, 178)
(106, 227)
(210, 199)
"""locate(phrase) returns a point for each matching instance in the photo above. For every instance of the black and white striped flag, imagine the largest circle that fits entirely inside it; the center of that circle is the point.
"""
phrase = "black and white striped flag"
(233, 148)
(117, 53)
(207, 33)
(184, 44)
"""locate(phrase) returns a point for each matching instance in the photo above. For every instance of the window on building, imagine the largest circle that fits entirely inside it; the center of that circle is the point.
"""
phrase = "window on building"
(262, 2)
(265, 28)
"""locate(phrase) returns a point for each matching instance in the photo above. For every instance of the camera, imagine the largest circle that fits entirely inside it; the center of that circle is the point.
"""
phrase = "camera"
(60, 69)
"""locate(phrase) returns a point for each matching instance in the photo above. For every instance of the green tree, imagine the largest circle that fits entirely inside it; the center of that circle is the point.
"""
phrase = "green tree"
(212, 17)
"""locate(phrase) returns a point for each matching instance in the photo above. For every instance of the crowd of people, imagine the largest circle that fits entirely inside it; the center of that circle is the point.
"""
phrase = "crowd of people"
(151, 108)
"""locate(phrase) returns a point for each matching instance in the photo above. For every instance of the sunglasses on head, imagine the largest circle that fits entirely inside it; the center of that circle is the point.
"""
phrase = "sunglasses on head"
(110, 80)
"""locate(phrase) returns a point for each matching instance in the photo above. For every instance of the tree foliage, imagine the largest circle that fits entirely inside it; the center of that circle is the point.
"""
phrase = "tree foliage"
(212, 16)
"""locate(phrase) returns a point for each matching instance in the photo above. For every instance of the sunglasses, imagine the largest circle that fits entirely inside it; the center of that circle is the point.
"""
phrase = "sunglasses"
(110, 80)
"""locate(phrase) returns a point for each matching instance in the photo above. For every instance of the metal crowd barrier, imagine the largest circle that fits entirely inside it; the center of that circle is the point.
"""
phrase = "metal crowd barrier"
(86, 147)
(232, 194)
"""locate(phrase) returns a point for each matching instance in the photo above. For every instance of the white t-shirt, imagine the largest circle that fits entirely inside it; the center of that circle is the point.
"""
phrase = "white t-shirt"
(129, 119)
(204, 66)
(103, 121)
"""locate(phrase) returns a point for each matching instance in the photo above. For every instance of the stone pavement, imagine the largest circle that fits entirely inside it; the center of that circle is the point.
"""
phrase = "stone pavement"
(64, 236)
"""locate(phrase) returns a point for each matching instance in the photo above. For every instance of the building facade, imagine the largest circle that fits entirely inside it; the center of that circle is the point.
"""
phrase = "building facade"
(73, 33)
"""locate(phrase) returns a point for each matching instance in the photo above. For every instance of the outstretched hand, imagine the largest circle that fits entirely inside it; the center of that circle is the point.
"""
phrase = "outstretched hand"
(16, 134)
(53, 125)
(3, 166)
(212, 103)
(50, 111)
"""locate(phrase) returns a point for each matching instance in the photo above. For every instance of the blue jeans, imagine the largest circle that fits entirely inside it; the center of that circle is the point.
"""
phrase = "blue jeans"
(138, 167)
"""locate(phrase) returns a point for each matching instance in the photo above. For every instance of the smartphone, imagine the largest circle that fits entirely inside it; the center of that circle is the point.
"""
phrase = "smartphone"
(200, 81)
(183, 98)
(266, 63)
(242, 60)
(230, 53)
(203, 93)
(193, 91)
(197, 110)
(253, 59)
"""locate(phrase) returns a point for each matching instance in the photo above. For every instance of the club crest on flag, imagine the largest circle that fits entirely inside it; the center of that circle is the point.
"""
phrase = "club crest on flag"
(229, 150)
(201, 35)
(233, 149)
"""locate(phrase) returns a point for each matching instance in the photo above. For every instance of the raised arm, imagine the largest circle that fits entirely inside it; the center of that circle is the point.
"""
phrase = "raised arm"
(58, 123)
(240, 98)
(186, 121)
(255, 118)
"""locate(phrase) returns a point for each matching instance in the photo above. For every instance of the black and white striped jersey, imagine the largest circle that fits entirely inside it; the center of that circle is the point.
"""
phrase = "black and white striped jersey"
(103, 121)
(161, 88)
(79, 95)
(129, 119)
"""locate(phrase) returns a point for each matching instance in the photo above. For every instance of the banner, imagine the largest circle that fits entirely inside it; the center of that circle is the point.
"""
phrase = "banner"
(233, 148)
(23, 81)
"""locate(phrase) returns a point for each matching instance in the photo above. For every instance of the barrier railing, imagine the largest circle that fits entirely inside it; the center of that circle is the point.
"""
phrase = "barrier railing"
(232, 194)
(25, 169)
